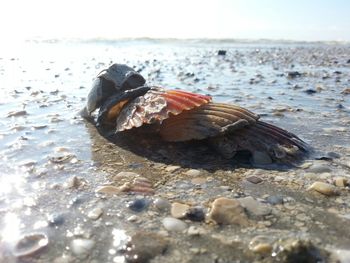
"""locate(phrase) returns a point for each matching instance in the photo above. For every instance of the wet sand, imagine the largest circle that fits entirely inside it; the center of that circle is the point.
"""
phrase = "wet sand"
(55, 167)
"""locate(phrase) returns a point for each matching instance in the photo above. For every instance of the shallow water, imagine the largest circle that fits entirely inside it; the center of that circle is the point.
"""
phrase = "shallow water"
(44, 143)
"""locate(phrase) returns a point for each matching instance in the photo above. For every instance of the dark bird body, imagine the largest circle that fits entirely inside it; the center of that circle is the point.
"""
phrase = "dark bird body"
(125, 104)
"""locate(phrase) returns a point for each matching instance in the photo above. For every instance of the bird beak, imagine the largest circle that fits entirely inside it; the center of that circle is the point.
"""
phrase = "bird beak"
(110, 110)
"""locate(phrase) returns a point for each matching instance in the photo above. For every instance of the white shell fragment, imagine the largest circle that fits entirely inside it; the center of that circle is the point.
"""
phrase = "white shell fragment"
(29, 244)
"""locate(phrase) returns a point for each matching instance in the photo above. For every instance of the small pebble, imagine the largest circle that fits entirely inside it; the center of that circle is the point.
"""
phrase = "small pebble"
(95, 213)
(179, 210)
(55, 219)
(193, 173)
(138, 205)
(174, 224)
(195, 214)
(261, 245)
(323, 188)
(255, 207)
(254, 179)
(161, 204)
(82, 247)
(319, 168)
(340, 181)
(275, 200)
(228, 211)
(222, 52)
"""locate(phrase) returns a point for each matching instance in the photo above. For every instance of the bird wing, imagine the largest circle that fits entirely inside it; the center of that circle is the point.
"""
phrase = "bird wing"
(156, 106)
(208, 120)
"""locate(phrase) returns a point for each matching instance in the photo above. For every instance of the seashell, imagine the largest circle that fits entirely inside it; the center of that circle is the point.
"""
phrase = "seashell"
(30, 244)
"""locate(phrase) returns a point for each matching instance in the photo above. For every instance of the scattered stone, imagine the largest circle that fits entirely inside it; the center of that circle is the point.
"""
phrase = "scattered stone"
(346, 91)
(293, 74)
(340, 181)
(17, 113)
(179, 210)
(254, 207)
(95, 213)
(195, 214)
(310, 91)
(319, 168)
(144, 246)
(30, 244)
(261, 158)
(323, 188)
(161, 204)
(228, 211)
(275, 200)
(254, 179)
(138, 205)
(222, 52)
(261, 245)
(174, 224)
(193, 173)
(82, 247)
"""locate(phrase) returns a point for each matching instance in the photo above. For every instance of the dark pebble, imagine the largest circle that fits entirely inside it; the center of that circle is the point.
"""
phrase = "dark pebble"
(55, 219)
(310, 91)
(275, 200)
(75, 201)
(254, 179)
(195, 214)
(138, 205)
(348, 61)
(222, 52)
(340, 106)
(293, 74)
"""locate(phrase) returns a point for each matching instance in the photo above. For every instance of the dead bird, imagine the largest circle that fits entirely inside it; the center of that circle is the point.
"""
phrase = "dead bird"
(126, 103)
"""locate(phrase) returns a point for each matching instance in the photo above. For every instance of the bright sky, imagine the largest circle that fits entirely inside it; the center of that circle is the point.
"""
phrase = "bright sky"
(242, 19)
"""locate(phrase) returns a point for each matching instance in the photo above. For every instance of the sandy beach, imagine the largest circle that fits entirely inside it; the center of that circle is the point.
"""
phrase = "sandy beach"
(68, 194)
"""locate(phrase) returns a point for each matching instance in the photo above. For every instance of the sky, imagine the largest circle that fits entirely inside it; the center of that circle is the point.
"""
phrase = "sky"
(308, 20)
